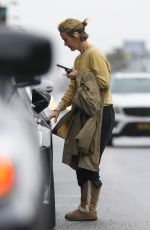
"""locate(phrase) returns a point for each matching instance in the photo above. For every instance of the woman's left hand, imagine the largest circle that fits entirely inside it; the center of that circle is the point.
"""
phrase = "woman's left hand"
(72, 75)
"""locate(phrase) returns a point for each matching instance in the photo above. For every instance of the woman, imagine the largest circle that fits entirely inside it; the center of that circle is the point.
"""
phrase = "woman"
(72, 32)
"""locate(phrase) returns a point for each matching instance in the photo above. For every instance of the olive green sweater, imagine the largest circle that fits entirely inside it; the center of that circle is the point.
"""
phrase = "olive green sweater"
(91, 60)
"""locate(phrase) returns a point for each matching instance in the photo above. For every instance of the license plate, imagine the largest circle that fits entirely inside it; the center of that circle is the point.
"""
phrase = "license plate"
(143, 126)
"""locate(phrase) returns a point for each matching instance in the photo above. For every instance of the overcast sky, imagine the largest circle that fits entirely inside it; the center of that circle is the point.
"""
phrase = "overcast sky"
(110, 21)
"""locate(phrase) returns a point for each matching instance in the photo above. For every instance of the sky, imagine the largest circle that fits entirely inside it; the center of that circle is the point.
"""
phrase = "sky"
(111, 22)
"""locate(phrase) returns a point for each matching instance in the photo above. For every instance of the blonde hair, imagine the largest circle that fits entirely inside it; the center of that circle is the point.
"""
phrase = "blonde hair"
(74, 28)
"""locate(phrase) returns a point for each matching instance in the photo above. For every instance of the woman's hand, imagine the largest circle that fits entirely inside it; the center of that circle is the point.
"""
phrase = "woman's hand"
(54, 114)
(72, 75)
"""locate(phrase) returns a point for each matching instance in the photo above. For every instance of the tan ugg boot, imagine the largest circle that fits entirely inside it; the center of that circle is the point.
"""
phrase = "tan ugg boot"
(94, 198)
(87, 208)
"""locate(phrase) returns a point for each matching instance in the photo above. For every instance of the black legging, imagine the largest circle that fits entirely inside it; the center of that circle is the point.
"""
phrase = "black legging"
(107, 126)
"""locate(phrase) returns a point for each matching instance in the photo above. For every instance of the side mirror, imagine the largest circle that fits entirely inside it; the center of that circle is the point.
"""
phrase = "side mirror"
(25, 56)
(45, 84)
(40, 99)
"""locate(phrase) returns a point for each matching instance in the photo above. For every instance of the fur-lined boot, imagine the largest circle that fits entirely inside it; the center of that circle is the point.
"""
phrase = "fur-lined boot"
(87, 208)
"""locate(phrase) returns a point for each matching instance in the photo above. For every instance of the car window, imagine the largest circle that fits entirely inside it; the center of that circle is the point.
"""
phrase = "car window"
(131, 85)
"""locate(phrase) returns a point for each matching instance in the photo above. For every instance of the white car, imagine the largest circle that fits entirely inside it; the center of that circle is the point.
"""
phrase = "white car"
(27, 198)
(131, 99)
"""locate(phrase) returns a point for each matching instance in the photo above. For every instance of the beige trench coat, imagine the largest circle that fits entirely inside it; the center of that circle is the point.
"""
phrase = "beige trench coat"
(81, 126)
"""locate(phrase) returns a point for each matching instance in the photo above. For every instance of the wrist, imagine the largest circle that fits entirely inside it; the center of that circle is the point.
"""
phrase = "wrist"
(55, 110)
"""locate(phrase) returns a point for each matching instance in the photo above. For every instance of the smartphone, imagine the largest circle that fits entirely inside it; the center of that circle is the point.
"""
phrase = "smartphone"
(68, 70)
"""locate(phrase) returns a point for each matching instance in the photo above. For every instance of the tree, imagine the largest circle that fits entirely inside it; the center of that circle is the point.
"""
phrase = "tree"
(118, 60)
(3, 14)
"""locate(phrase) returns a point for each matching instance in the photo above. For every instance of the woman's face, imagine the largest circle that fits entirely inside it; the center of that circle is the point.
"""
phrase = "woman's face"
(72, 42)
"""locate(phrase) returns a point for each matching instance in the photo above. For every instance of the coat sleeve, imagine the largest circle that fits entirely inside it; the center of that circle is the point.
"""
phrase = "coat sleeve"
(87, 97)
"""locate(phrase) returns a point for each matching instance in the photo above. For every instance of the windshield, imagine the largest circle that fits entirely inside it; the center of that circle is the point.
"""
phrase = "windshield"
(131, 85)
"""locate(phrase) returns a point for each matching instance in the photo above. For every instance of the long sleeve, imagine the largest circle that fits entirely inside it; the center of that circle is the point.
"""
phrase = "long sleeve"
(101, 68)
(67, 97)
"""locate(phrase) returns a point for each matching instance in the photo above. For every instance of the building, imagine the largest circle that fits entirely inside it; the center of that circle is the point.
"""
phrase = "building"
(135, 48)
(138, 56)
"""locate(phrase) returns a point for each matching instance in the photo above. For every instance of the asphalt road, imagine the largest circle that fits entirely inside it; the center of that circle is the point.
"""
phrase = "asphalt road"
(125, 197)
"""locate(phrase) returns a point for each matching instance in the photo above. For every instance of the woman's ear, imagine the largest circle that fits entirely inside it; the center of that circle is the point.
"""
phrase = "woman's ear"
(76, 35)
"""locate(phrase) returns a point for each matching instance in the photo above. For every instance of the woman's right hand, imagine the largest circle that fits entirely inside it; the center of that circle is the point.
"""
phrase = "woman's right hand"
(72, 75)
(54, 114)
